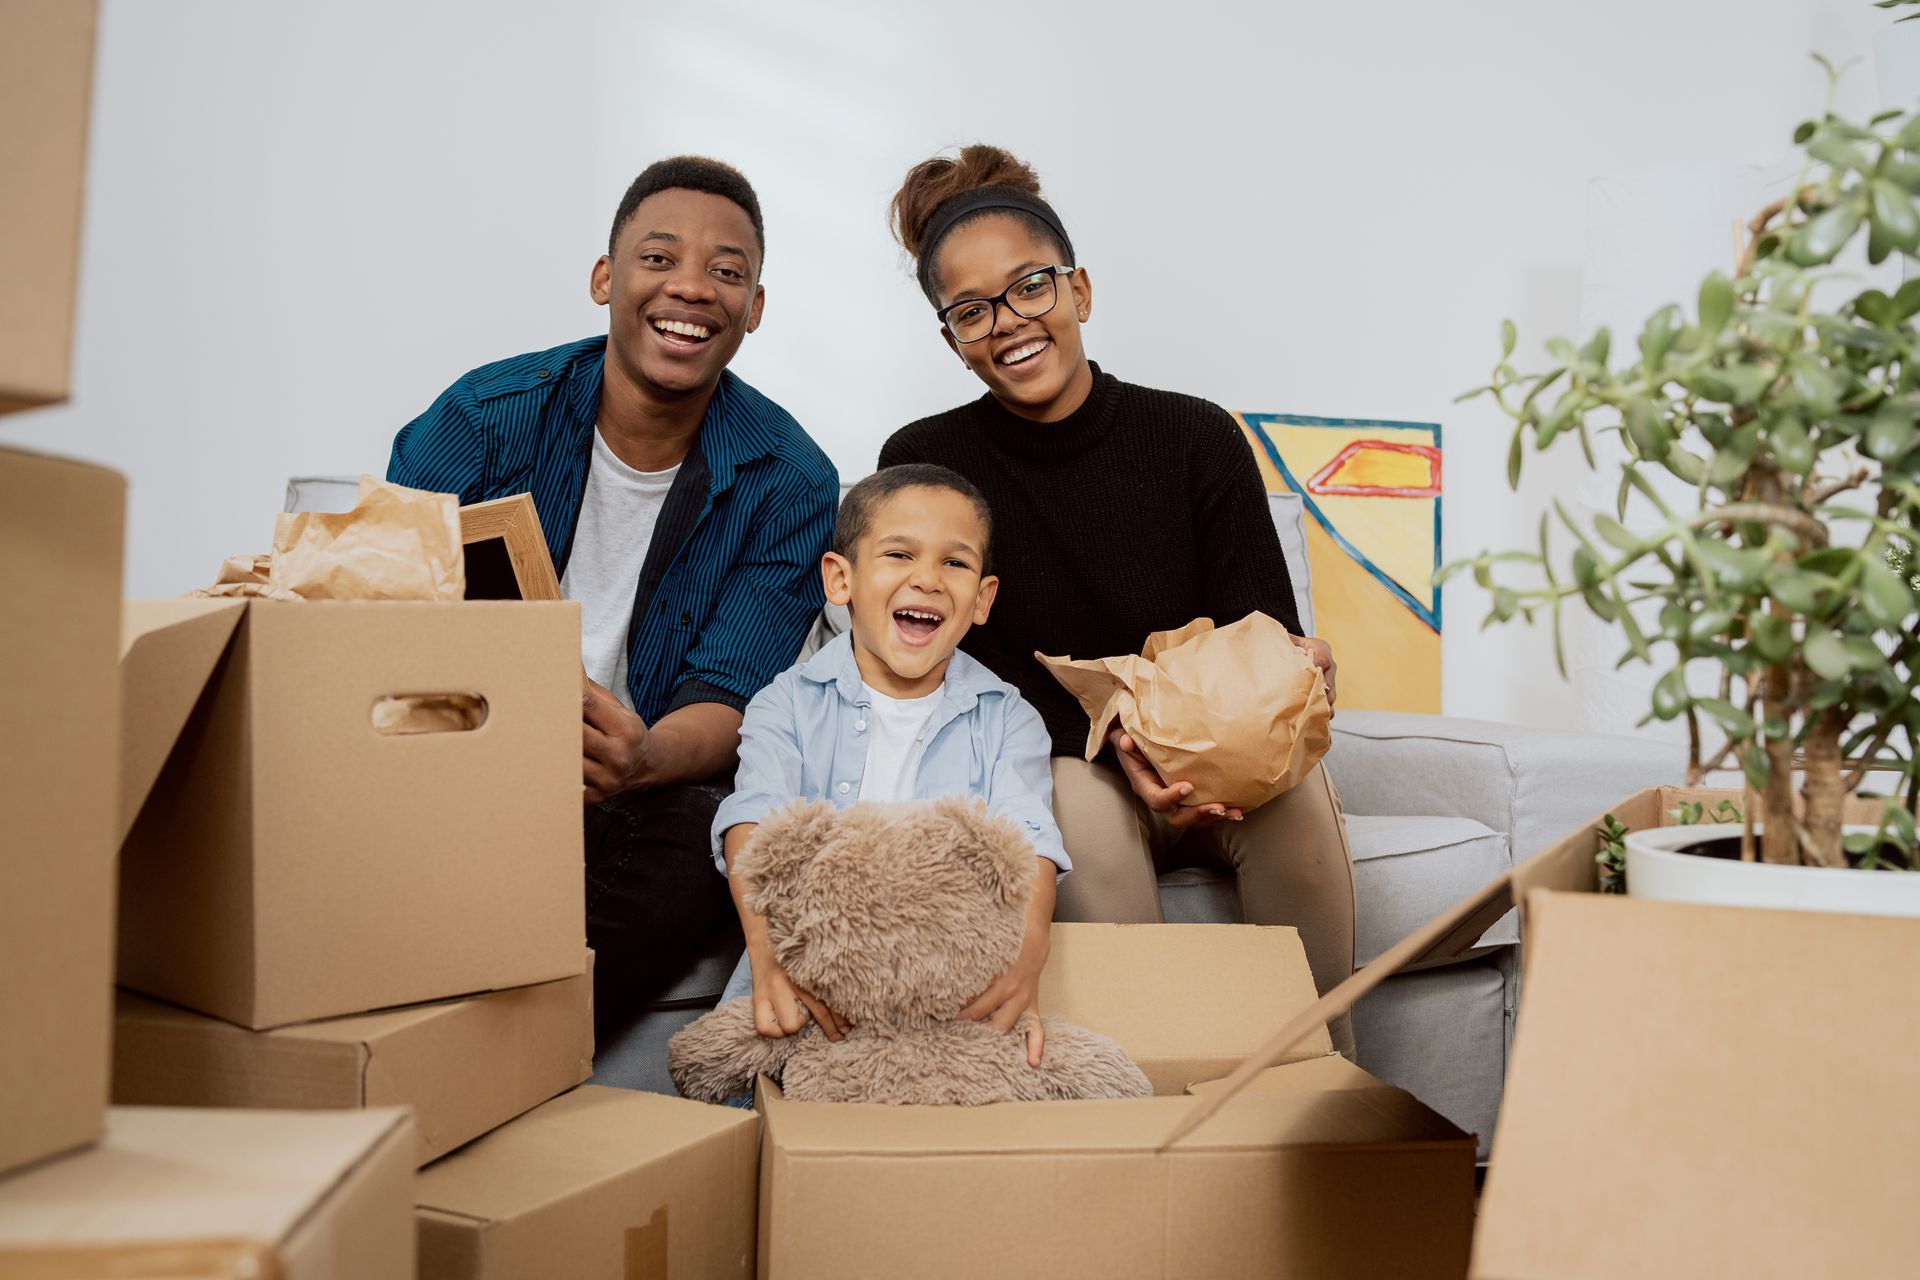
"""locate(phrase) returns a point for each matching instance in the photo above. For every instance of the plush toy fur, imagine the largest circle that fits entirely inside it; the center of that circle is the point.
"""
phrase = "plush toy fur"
(896, 916)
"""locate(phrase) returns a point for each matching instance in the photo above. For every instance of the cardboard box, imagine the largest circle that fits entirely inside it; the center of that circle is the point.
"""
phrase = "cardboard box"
(61, 537)
(1335, 1174)
(292, 861)
(464, 1066)
(599, 1184)
(297, 1195)
(1694, 1091)
(46, 81)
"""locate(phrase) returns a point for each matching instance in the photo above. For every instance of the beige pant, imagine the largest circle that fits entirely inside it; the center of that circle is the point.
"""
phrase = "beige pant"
(1290, 856)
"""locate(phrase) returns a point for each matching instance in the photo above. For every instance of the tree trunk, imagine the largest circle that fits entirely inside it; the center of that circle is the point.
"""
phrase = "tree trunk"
(1823, 790)
(1778, 841)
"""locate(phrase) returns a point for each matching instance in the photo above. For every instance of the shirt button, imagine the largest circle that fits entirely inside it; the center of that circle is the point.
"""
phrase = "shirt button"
(859, 726)
(844, 788)
(543, 373)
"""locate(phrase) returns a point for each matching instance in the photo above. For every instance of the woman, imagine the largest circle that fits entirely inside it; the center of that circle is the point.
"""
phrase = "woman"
(1118, 511)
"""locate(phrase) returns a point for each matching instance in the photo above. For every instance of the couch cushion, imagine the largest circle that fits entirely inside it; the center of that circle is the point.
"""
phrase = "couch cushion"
(1406, 871)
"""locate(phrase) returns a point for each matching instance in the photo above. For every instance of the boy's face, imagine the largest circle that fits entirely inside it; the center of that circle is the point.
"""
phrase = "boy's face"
(912, 588)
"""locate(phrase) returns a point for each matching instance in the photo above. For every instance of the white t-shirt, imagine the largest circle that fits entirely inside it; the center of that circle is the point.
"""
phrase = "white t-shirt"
(896, 737)
(610, 540)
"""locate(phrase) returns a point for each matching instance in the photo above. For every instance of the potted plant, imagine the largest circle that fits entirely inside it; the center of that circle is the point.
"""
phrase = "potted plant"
(1774, 433)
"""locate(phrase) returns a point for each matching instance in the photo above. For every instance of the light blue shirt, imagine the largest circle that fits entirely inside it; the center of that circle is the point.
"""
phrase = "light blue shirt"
(805, 738)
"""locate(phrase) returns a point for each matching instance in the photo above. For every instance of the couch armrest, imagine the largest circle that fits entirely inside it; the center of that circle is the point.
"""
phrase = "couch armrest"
(1535, 785)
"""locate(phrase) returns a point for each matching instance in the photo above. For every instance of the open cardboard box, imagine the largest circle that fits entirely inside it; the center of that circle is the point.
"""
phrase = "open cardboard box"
(599, 1184)
(1694, 1091)
(1335, 1175)
(61, 539)
(46, 81)
(174, 1191)
(287, 859)
(465, 1066)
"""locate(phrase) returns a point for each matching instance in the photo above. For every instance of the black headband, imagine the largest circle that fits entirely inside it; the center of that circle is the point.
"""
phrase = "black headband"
(952, 211)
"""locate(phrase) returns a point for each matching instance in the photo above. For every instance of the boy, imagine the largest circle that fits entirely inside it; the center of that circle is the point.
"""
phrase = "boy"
(892, 711)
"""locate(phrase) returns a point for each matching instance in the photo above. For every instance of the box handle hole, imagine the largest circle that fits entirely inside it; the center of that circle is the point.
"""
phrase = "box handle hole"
(402, 714)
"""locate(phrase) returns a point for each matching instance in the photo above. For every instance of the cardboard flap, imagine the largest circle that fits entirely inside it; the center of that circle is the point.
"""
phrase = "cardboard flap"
(179, 1173)
(1568, 864)
(1187, 1002)
(168, 649)
(1708, 1091)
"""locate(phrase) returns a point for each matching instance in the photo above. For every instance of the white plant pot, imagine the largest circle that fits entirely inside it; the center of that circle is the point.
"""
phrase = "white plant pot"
(1655, 870)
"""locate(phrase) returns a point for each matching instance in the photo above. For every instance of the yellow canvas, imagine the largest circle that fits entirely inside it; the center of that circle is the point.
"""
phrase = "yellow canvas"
(1372, 496)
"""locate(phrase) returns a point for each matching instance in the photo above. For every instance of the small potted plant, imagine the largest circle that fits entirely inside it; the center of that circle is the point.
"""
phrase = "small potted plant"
(1776, 433)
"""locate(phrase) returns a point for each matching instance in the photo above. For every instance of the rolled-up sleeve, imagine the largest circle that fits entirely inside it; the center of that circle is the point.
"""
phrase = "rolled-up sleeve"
(769, 772)
(1022, 782)
(768, 599)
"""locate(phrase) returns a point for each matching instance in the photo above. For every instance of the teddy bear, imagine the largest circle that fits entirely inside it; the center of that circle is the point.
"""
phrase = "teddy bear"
(896, 916)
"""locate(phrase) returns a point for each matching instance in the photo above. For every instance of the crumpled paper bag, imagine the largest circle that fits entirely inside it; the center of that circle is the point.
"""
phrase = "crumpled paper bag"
(396, 544)
(1237, 711)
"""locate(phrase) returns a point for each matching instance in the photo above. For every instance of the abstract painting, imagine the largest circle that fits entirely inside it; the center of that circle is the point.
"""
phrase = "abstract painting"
(1372, 495)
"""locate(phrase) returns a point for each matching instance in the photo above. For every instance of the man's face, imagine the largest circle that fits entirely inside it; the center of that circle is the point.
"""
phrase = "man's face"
(683, 288)
(913, 588)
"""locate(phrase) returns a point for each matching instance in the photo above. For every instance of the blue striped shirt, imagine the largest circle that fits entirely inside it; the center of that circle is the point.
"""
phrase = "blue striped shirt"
(732, 576)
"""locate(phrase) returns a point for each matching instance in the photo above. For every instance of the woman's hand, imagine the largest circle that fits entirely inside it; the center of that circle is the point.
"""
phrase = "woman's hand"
(1322, 654)
(1016, 993)
(1159, 796)
(781, 1006)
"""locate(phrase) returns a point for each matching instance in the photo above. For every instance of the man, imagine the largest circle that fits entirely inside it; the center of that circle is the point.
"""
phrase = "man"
(687, 513)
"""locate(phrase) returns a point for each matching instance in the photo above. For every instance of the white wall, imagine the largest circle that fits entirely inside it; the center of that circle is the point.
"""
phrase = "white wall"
(304, 222)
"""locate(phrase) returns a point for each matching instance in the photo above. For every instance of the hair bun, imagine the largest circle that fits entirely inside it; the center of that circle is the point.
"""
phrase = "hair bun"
(933, 182)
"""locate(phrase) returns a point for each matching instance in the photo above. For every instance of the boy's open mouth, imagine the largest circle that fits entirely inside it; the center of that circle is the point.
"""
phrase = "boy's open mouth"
(682, 333)
(917, 626)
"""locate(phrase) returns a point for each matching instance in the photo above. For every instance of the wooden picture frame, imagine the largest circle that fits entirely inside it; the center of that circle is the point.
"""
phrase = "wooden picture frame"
(507, 551)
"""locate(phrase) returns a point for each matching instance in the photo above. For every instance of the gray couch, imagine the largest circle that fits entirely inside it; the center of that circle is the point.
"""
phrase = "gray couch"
(1435, 808)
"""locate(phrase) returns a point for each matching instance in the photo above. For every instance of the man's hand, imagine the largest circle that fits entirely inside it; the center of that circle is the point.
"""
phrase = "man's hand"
(613, 744)
(781, 1007)
(1322, 654)
(1159, 796)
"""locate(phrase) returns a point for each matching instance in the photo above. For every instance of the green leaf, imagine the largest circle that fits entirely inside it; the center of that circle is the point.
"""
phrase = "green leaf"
(1875, 308)
(1771, 636)
(1716, 304)
(1735, 568)
(1689, 467)
(1796, 590)
(1708, 623)
(1883, 595)
(1651, 437)
(1661, 331)
(1616, 533)
(1890, 434)
(1863, 655)
(1815, 243)
(1508, 337)
(1735, 722)
(1894, 213)
(1906, 299)
(1731, 460)
(1792, 446)
(1839, 154)
(1757, 768)
(1909, 137)
(1825, 655)
(1670, 695)
(1514, 451)
(1598, 347)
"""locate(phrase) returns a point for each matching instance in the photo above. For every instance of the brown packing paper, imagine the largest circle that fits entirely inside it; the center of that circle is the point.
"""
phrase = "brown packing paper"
(396, 544)
(1237, 711)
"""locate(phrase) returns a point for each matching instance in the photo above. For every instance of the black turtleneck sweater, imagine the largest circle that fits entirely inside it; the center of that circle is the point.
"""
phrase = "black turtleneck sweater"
(1138, 512)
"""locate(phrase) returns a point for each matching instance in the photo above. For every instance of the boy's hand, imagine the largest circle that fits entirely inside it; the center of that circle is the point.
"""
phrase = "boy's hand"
(612, 742)
(1159, 796)
(781, 1007)
(1013, 995)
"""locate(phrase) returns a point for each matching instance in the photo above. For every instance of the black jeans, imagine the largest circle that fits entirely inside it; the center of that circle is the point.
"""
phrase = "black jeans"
(655, 901)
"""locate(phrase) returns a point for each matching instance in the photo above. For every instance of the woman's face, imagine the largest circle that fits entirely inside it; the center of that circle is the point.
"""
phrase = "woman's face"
(1036, 367)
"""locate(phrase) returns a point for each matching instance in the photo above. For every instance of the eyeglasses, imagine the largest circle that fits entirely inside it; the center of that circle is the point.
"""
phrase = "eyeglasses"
(1029, 297)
